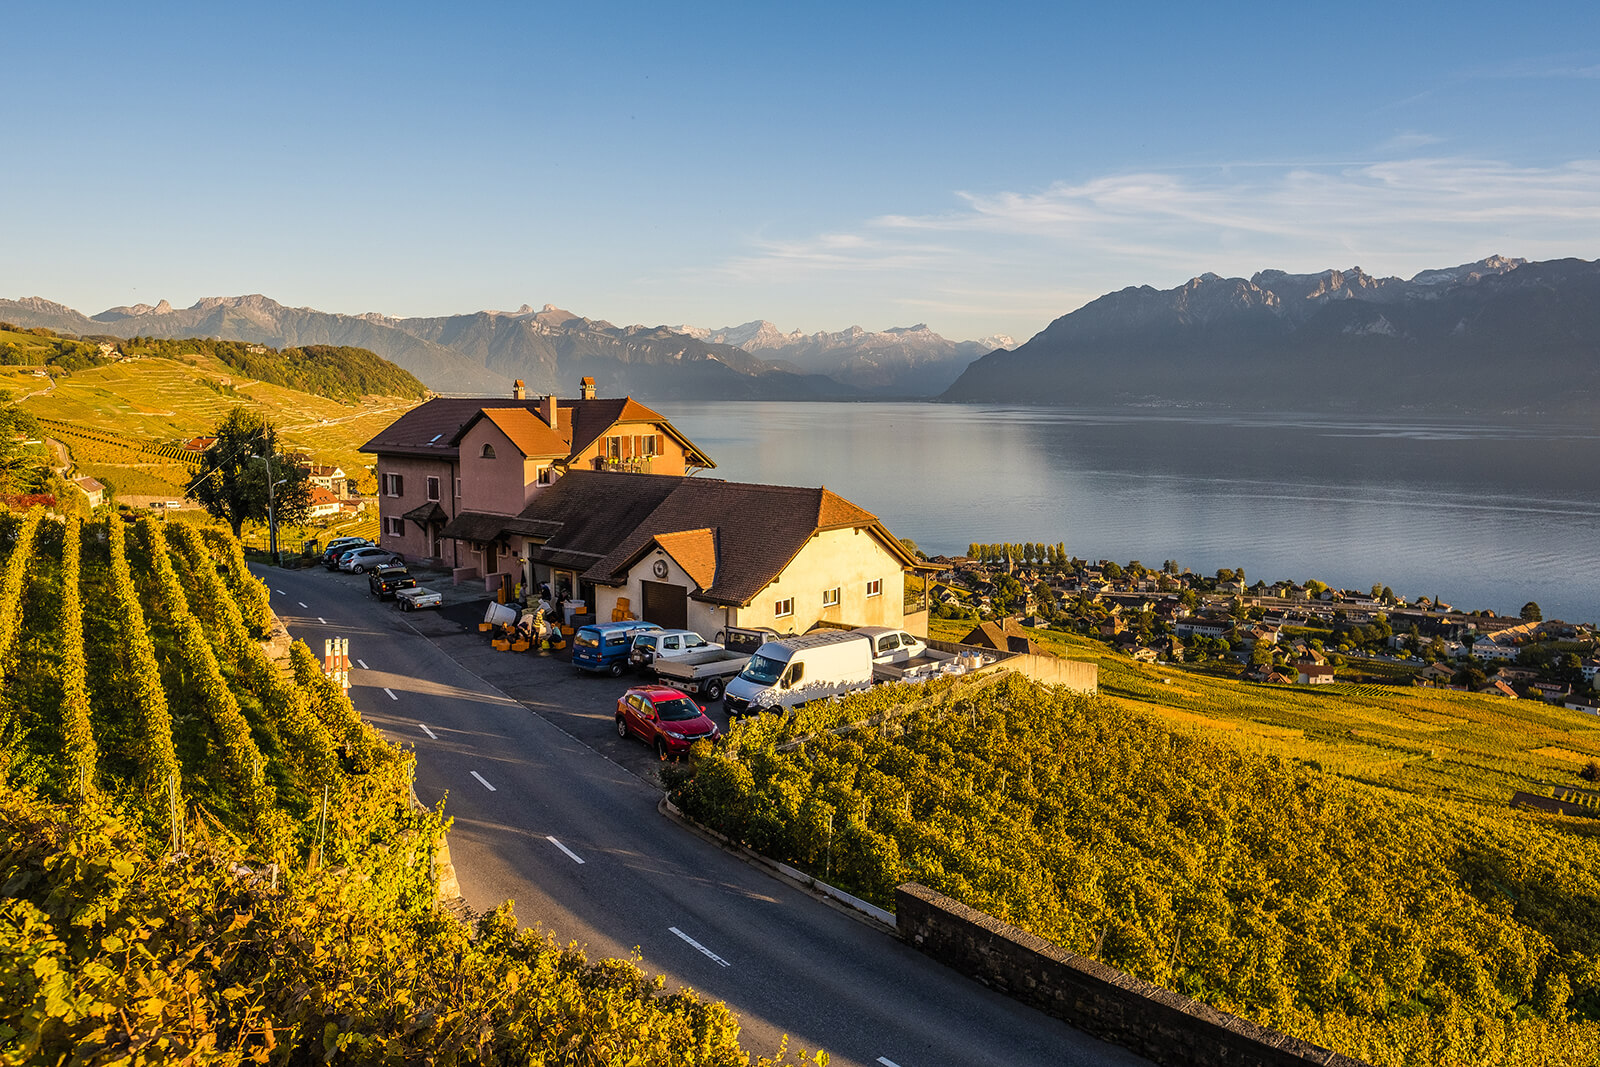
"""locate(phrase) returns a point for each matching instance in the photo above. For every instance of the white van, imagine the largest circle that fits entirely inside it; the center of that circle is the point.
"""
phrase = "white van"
(892, 646)
(795, 670)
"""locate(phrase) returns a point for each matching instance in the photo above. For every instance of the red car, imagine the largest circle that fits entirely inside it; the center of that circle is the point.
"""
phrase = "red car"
(665, 718)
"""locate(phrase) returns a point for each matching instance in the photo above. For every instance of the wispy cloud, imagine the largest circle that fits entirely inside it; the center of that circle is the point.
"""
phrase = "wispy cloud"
(1021, 255)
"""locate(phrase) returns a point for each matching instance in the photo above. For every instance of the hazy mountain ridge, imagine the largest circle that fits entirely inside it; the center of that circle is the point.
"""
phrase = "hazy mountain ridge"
(902, 360)
(1496, 335)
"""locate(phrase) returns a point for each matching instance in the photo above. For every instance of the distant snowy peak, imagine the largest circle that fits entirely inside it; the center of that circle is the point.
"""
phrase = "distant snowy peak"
(761, 335)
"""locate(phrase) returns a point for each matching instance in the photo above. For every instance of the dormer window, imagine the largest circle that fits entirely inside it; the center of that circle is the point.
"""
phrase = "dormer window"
(488, 451)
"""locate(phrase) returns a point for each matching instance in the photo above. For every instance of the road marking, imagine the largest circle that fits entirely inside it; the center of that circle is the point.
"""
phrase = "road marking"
(575, 857)
(302, 603)
(484, 780)
(363, 664)
(386, 689)
(709, 954)
(322, 620)
(887, 1062)
(280, 592)
(427, 731)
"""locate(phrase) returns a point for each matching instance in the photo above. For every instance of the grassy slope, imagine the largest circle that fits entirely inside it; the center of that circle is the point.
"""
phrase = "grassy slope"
(1428, 742)
(166, 401)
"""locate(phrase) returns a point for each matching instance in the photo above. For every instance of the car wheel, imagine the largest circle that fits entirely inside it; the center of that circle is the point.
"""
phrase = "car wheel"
(661, 750)
(616, 670)
(622, 726)
(713, 689)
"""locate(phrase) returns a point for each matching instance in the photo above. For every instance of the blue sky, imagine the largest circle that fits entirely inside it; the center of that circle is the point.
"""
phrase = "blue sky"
(982, 169)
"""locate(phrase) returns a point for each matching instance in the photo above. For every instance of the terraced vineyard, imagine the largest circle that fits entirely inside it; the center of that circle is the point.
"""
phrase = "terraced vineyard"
(206, 855)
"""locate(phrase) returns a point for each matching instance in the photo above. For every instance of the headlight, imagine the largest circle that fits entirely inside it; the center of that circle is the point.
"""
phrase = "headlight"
(675, 735)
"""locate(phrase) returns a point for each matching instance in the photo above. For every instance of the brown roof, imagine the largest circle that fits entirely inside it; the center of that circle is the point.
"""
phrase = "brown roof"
(1004, 636)
(432, 428)
(486, 526)
(740, 535)
(528, 432)
(89, 485)
(695, 551)
(423, 514)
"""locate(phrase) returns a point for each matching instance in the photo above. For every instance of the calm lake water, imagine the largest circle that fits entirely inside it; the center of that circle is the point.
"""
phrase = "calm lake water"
(1483, 515)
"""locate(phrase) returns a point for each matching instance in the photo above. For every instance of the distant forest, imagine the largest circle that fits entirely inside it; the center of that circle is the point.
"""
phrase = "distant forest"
(335, 371)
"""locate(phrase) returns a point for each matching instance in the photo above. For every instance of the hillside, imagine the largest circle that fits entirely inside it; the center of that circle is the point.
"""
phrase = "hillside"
(1496, 336)
(168, 401)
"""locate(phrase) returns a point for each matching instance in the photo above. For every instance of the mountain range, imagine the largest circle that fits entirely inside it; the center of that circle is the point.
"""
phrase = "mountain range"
(551, 349)
(1496, 336)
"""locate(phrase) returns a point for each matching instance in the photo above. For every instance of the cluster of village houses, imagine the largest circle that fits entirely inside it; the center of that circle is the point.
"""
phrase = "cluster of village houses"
(1172, 615)
(605, 504)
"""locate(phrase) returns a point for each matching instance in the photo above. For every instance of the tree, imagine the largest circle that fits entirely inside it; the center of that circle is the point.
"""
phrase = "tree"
(233, 481)
(1531, 613)
(1111, 571)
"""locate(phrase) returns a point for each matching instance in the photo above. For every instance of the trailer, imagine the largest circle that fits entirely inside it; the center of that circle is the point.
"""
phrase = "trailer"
(706, 674)
(417, 597)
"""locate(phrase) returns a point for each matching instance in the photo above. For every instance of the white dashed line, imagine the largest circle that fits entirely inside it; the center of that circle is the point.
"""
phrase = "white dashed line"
(386, 689)
(887, 1062)
(279, 592)
(575, 857)
(363, 664)
(484, 780)
(427, 731)
(322, 620)
(697, 945)
(302, 603)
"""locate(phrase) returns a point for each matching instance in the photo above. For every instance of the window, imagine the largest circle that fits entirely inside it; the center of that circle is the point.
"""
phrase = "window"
(488, 451)
(546, 476)
(875, 587)
(613, 448)
(830, 597)
(433, 489)
(784, 607)
(394, 526)
(394, 485)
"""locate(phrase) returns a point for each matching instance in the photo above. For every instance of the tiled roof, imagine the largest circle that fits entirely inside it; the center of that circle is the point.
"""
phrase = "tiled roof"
(743, 534)
(430, 429)
(89, 485)
(424, 514)
(486, 526)
(695, 551)
(530, 433)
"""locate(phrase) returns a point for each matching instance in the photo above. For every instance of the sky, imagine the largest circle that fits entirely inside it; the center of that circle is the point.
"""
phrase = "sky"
(982, 169)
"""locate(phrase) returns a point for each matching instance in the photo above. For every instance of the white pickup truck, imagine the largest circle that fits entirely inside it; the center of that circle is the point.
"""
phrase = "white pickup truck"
(706, 673)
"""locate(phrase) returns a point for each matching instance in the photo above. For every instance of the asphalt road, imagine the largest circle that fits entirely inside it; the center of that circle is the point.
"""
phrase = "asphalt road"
(556, 812)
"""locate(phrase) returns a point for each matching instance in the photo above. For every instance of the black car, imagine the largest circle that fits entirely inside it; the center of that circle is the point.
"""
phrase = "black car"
(384, 580)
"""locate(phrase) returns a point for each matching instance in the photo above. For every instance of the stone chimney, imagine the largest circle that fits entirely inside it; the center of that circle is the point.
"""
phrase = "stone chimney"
(549, 412)
(587, 389)
(517, 391)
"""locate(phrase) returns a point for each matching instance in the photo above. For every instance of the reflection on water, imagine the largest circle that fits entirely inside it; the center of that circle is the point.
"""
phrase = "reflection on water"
(1485, 516)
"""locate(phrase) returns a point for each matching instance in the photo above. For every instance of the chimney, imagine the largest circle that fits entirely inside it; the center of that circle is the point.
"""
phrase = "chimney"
(517, 391)
(587, 389)
(549, 412)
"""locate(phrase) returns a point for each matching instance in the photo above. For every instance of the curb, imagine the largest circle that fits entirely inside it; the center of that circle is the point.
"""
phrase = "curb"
(851, 905)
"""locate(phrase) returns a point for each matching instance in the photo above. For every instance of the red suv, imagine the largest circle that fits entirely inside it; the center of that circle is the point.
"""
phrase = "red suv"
(665, 718)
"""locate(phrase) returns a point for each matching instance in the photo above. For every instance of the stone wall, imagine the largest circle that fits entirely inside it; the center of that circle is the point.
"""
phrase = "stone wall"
(1163, 1026)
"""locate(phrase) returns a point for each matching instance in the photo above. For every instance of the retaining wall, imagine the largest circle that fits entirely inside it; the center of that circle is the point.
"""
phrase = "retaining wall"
(1165, 1027)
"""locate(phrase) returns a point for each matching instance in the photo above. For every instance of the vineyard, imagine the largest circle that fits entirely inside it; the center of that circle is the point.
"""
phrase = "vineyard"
(208, 857)
(1396, 931)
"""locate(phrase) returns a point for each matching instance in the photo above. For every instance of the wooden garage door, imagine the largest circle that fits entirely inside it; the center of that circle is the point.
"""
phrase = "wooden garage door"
(666, 605)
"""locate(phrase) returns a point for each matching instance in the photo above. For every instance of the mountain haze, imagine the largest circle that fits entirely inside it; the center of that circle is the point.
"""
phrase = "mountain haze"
(1498, 335)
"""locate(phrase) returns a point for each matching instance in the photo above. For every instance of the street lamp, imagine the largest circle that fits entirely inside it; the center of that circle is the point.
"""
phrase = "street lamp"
(272, 512)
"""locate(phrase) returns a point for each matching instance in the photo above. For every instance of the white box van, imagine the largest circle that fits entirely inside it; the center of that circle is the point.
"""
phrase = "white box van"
(795, 670)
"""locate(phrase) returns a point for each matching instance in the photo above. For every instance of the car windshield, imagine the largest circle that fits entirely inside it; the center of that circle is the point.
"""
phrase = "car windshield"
(762, 670)
(586, 639)
(677, 710)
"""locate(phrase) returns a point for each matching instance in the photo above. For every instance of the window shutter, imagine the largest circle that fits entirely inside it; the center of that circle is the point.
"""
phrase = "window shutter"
(661, 444)
(399, 485)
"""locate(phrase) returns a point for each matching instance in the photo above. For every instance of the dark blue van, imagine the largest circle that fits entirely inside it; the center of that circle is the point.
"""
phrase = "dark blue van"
(603, 648)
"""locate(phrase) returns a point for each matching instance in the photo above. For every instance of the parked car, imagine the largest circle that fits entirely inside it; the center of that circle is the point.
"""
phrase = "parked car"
(332, 557)
(890, 645)
(604, 646)
(361, 560)
(666, 644)
(387, 579)
(665, 719)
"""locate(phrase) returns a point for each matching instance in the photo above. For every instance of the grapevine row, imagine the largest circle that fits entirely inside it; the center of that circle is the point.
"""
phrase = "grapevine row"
(11, 586)
(216, 698)
(81, 753)
(307, 739)
(249, 591)
(157, 758)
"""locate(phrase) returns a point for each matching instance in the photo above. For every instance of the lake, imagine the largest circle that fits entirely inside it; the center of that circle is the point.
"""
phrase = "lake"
(1484, 514)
